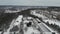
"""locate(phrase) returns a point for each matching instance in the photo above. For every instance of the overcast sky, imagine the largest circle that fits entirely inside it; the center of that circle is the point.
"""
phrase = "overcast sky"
(31, 2)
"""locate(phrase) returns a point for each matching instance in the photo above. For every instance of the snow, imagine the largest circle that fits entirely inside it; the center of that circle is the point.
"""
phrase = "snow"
(54, 22)
(26, 21)
(13, 23)
(31, 30)
(29, 17)
(51, 21)
(48, 27)
(18, 20)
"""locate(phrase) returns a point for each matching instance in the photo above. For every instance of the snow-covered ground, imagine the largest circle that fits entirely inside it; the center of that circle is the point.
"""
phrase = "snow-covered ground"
(51, 21)
(31, 31)
(18, 20)
(14, 23)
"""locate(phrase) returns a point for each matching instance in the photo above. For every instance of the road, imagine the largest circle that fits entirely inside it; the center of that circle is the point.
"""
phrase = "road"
(43, 28)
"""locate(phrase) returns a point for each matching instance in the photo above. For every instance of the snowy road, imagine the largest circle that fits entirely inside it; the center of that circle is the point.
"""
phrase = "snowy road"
(43, 28)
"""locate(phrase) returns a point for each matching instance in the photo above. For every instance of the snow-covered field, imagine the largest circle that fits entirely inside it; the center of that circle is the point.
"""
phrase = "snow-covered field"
(14, 23)
(51, 21)
(31, 31)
